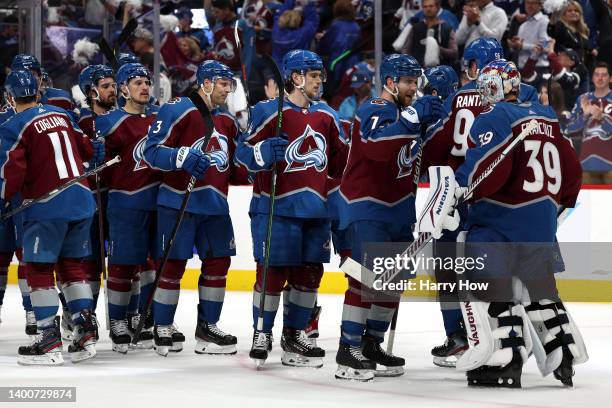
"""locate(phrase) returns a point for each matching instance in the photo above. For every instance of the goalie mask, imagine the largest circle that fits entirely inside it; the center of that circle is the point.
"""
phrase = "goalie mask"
(496, 80)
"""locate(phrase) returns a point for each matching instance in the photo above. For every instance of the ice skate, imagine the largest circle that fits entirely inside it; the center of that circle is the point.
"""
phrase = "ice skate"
(447, 354)
(163, 339)
(119, 335)
(298, 351)
(352, 365)
(393, 366)
(45, 349)
(262, 345)
(212, 340)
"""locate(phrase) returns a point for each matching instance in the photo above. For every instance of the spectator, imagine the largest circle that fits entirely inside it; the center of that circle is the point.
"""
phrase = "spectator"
(292, 29)
(571, 31)
(141, 44)
(190, 48)
(592, 117)
(185, 17)
(481, 18)
(361, 83)
(509, 6)
(555, 98)
(531, 33)
(432, 41)
(603, 11)
(443, 15)
(343, 34)
(260, 16)
(226, 49)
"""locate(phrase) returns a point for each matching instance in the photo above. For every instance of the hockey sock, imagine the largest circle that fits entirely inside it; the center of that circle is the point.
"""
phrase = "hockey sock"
(304, 281)
(379, 319)
(354, 314)
(277, 276)
(92, 272)
(286, 292)
(44, 296)
(133, 306)
(75, 287)
(452, 319)
(147, 277)
(119, 290)
(24, 288)
(167, 294)
(5, 260)
(211, 288)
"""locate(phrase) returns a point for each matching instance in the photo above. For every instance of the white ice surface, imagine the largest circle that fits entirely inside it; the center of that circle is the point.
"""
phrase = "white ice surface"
(143, 379)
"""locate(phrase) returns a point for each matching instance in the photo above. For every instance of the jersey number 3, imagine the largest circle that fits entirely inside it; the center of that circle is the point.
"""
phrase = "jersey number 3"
(60, 163)
(551, 166)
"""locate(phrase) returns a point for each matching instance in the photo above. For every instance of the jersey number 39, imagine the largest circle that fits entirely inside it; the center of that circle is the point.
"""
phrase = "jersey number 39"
(548, 162)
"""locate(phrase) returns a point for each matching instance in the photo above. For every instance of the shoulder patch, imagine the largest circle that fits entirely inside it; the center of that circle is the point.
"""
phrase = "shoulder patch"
(378, 101)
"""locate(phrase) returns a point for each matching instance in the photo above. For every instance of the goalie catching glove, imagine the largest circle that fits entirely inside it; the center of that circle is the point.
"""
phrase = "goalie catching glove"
(439, 212)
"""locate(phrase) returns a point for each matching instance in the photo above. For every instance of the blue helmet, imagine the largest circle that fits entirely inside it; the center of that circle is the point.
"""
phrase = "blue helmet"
(21, 83)
(213, 70)
(91, 74)
(25, 62)
(129, 71)
(45, 79)
(443, 79)
(482, 50)
(300, 61)
(126, 58)
(395, 66)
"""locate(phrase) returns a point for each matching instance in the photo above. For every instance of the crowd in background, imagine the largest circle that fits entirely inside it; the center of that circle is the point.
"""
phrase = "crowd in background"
(562, 47)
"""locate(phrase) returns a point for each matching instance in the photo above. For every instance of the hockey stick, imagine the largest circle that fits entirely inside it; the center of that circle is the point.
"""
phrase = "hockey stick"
(109, 54)
(28, 203)
(367, 277)
(101, 228)
(210, 127)
(132, 25)
(245, 78)
(415, 180)
(278, 78)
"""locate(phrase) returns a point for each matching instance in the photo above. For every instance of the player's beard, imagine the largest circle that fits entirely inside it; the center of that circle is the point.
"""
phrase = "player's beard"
(108, 103)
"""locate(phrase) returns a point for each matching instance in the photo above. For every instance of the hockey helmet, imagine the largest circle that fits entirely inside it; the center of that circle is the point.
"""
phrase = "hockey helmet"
(25, 62)
(213, 70)
(21, 83)
(301, 61)
(129, 71)
(395, 66)
(442, 79)
(496, 80)
(482, 50)
(126, 58)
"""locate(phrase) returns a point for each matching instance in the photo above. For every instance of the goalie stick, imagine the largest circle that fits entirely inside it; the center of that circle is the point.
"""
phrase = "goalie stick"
(28, 203)
(367, 277)
(210, 127)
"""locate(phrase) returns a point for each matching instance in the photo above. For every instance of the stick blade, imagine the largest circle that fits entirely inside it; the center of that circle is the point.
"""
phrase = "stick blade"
(358, 272)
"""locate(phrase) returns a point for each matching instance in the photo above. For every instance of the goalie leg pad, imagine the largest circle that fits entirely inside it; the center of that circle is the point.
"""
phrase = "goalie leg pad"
(438, 212)
(496, 333)
(560, 337)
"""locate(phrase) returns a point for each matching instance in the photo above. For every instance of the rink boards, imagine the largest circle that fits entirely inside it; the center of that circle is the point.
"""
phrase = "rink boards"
(589, 221)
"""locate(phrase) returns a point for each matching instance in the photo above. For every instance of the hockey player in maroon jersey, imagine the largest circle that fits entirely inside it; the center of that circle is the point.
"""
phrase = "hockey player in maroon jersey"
(312, 148)
(174, 145)
(132, 192)
(516, 203)
(377, 196)
(42, 150)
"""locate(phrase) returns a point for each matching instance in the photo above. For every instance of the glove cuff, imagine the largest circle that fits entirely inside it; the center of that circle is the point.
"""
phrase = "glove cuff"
(181, 156)
(410, 114)
(258, 156)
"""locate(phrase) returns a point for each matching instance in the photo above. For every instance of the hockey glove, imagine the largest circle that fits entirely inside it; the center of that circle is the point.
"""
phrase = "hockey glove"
(193, 161)
(439, 212)
(270, 151)
(427, 109)
(98, 151)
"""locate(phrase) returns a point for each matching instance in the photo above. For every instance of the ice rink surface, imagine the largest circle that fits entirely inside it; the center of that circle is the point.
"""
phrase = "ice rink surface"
(143, 379)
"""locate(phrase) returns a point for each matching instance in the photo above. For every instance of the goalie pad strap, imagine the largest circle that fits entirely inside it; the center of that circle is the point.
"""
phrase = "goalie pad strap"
(510, 321)
(561, 340)
(556, 321)
(511, 342)
(552, 306)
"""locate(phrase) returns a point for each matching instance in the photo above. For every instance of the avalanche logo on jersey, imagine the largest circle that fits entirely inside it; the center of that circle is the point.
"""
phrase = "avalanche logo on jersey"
(138, 154)
(404, 160)
(217, 149)
(308, 150)
(225, 49)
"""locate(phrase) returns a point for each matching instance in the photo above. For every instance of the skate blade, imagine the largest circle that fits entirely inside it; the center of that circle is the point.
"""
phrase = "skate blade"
(204, 347)
(446, 362)
(162, 350)
(48, 359)
(389, 372)
(121, 348)
(259, 363)
(176, 347)
(351, 374)
(88, 352)
(296, 360)
(142, 345)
